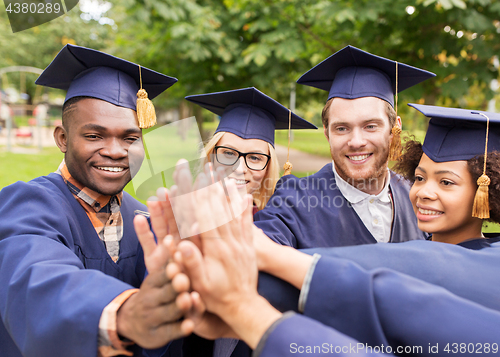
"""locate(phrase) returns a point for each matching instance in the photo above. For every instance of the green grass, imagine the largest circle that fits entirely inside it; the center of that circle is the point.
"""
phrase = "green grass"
(24, 167)
(310, 141)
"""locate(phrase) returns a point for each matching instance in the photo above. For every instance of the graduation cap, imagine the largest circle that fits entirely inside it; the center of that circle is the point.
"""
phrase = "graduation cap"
(250, 114)
(461, 134)
(86, 72)
(353, 73)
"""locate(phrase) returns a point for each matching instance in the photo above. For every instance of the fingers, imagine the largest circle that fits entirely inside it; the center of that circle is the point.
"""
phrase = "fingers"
(247, 221)
(171, 331)
(146, 237)
(235, 200)
(221, 212)
(157, 221)
(168, 214)
(180, 282)
(199, 307)
(192, 261)
(184, 302)
(181, 199)
(172, 270)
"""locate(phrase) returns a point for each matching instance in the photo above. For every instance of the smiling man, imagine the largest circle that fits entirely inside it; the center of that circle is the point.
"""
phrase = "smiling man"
(71, 274)
(356, 199)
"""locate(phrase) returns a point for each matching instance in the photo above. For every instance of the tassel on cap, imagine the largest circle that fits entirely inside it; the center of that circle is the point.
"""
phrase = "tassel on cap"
(396, 147)
(288, 165)
(481, 207)
(145, 110)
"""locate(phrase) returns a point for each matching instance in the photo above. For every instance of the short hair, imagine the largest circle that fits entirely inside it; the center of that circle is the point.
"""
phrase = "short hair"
(413, 152)
(391, 113)
(68, 109)
(262, 195)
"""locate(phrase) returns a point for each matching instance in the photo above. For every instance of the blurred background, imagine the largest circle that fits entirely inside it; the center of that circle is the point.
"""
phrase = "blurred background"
(215, 45)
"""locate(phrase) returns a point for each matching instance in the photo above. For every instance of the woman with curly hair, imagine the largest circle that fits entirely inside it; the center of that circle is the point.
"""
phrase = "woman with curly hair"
(244, 140)
(453, 191)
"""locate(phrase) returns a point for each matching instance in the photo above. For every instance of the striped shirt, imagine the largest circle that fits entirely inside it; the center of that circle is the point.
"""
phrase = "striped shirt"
(103, 211)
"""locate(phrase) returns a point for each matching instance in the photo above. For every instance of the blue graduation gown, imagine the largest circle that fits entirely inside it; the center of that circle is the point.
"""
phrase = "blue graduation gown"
(469, 270)
(384, 307)
(381, 311)
(56, 276)
(312, 212)
(298, 335)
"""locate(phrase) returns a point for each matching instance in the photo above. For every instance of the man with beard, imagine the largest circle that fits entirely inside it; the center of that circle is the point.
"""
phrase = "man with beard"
(71, 271)
(356, 199)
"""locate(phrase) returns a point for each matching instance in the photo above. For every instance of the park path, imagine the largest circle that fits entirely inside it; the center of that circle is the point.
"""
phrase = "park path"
(301, 161)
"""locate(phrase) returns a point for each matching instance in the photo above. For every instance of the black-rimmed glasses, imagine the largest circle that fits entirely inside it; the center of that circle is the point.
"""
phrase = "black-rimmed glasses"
(228, 157)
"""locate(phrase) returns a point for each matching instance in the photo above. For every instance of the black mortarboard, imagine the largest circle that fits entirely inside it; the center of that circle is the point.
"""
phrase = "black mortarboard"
(352, 73)
(249, 113)
(458, 134)
(86, 72)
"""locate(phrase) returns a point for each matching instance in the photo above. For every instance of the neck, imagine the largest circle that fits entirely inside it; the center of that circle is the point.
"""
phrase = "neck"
(455, 237)
(371, 186)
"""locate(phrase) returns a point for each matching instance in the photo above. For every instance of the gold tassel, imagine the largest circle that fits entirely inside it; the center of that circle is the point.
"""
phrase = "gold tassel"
(288, 168)
(288, 165)
(145, 109)
(481, 207)
(396, 147)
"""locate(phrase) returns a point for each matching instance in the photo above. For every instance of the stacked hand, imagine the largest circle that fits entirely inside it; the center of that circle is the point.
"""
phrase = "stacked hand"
(219, 257)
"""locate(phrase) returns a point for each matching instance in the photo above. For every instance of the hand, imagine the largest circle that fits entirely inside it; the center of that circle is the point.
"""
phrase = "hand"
(151, 316)
(228, 267)
(162, 215)
(226, 274)
(207, 325)
(227, 271)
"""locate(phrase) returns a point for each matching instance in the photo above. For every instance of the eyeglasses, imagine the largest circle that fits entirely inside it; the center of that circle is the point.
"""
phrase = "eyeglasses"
(228, 157)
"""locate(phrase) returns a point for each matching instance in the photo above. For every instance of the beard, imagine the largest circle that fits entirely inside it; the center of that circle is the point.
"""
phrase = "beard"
(369, 178)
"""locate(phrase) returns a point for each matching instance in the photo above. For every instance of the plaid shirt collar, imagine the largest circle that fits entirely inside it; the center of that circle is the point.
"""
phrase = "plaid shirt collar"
(90, 197)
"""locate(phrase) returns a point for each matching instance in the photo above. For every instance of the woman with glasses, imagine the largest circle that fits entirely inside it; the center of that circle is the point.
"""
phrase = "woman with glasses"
(244, 140)
(243, 144)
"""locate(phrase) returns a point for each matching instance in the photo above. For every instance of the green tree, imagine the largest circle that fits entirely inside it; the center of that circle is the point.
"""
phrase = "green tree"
(36, 47)
(222, 44)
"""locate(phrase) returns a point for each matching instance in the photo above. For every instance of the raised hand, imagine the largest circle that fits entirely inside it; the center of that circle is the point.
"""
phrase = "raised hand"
(224, 272)
(151, 316)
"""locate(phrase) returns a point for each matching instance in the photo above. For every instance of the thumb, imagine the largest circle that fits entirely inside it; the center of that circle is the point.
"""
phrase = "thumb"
(193, 263)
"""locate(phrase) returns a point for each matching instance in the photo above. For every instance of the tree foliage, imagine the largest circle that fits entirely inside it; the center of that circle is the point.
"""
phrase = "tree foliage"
(36, 47)
(222, 44)
(215, 45)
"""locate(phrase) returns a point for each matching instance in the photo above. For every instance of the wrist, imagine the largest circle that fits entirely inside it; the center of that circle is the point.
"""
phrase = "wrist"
(277, 263)
(123, 328)
(265, 249)
(251, 318)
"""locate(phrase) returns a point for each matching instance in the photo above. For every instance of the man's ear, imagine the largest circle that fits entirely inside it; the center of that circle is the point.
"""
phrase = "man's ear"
(398, 122)
(61, 138)
(325, 131)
